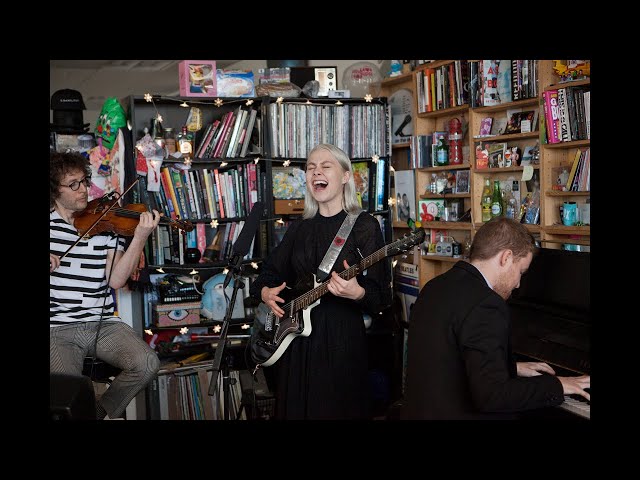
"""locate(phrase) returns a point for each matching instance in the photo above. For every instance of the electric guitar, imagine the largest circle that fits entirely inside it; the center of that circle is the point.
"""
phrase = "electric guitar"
(272, 335)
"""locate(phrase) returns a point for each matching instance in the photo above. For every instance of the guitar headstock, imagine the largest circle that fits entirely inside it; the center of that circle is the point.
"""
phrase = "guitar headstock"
(407, 242)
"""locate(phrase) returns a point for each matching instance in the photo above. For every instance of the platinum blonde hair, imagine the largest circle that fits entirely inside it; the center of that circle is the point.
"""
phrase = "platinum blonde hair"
(349, 198)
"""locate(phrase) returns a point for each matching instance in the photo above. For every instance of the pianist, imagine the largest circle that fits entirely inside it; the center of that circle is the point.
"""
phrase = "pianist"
(460, 363)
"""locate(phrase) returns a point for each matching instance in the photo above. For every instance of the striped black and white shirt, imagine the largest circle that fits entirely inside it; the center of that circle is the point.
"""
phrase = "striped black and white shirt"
(77, 289)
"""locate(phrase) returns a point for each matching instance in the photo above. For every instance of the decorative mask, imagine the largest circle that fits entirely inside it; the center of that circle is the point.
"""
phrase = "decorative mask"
(110, 120)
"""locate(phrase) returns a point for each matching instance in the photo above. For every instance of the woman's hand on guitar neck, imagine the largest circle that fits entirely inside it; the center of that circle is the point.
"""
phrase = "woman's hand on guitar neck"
(270, 296)
(345, 288)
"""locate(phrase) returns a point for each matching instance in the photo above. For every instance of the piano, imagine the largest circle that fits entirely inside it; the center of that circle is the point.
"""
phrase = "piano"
(551, 319)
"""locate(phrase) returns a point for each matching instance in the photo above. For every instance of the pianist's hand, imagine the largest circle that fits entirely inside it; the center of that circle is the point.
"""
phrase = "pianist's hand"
(576, 385)
(531, 369)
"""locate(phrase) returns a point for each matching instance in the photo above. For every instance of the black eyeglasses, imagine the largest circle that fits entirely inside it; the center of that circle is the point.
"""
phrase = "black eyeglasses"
(76, 185)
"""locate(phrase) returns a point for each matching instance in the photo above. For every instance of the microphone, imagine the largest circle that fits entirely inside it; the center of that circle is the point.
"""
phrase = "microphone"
(243, 242)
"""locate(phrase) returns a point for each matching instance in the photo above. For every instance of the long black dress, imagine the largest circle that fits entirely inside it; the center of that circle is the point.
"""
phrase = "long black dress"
(324, 375)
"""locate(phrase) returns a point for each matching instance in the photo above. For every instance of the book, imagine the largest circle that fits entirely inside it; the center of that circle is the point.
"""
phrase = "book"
(361, 180)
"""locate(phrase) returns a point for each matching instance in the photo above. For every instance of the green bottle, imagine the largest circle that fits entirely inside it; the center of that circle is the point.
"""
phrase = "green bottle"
(496, 200)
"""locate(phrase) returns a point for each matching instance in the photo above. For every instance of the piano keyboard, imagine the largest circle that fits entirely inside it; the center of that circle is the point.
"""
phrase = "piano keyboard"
(578, 407)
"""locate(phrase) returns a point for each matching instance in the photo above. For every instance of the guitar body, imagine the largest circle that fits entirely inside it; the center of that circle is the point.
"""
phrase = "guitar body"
(272, 335)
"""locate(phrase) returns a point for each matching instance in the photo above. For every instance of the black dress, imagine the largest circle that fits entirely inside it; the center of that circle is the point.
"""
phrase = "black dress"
(324, 375)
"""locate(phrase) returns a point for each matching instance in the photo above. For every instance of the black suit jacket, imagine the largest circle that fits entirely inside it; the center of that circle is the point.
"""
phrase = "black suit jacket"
(460, 363)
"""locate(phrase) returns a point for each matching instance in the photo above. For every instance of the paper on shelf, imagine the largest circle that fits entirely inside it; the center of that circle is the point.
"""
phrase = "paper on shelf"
(527, 173)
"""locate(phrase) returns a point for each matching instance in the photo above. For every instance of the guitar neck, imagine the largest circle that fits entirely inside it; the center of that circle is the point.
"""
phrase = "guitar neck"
(314, 294)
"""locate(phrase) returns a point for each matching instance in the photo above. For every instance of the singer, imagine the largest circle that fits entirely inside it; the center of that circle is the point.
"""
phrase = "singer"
(324, 375)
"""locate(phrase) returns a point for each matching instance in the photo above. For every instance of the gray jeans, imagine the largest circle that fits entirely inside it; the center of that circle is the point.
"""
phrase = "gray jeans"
(118, 345)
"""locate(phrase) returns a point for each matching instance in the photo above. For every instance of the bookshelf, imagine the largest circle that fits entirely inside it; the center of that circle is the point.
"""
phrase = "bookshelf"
(549, 229)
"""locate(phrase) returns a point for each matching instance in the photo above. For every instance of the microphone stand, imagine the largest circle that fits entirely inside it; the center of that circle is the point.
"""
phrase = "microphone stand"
(227, 381)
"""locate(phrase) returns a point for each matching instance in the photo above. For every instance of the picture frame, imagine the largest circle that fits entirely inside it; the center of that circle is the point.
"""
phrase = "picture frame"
(327, 78)
(197, 78)
(485, 126)
(462, 181)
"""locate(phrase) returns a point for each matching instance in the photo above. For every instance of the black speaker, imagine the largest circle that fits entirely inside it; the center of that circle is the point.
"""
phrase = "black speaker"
(71, 397)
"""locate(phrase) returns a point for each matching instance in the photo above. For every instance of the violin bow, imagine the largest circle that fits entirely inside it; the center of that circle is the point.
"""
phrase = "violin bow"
(107, 210)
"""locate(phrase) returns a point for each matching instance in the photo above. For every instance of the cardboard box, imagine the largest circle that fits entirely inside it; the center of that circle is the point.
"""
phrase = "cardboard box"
(289, 207)
(198, 78)
(176, 314)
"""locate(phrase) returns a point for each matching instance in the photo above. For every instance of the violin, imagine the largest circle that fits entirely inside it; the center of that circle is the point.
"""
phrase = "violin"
(120, 220)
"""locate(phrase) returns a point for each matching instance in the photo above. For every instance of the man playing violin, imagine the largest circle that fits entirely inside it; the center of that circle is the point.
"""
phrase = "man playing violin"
(81, 279)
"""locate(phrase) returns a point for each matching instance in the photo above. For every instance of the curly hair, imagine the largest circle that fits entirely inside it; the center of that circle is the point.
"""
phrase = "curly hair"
(59, 165)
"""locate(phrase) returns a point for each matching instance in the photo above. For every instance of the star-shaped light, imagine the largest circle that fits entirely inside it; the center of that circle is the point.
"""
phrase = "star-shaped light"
(217, 329)
(256, 160)
(280, 221)
(286, 163)
(245, 326)
(148, 331)
(184, 104)
(391, 168)
(225, 271)
(375, 158)
(214, 223)
(394, 263)
(184, 330)
(159, 117)
(249, 102)
(308, 102)
(280, 100)
(193, 272)
(254, 265)
(188, 161)
(160, 270)
(148, 97)
(368, 97)
(218, 102)
(338, 102)
(223, 164)
(391, 202)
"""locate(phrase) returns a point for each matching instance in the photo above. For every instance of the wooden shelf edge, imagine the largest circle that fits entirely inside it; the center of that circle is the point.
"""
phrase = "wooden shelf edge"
(558, 193)
(510, 136)
(440, 258)
(444, 111)
(570, 83)
(507, 106)
(572, 144)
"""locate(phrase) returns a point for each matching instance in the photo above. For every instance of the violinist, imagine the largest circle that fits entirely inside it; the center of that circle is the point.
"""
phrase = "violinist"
(81, 313)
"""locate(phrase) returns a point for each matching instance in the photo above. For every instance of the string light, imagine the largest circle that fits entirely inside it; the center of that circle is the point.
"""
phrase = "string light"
(184, 331)
(254, 265)
(338, 102)
(160, 270)
(218, 102)
(224, 164)
(391, 202)
(245, 326)
(225, 271)
(188, 161)
(391, 168)
(184, 104)
(217, 329)
(394, 262)
(148, 331)
(193, 272)
(375, 158)
(286, 163)
(368, 98)
(214, 223)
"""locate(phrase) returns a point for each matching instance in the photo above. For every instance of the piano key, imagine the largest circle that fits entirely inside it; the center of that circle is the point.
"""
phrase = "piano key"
(577, 407)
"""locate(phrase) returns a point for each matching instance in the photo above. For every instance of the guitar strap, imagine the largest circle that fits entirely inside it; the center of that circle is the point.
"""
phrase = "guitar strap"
(336, 247)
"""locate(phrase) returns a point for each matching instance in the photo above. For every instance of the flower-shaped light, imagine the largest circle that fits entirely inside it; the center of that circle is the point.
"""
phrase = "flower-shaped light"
(148, 97)
(218, 102)
(214, 223)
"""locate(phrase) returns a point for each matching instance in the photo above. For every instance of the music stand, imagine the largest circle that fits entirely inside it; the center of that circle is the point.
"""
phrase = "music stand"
(217, 359)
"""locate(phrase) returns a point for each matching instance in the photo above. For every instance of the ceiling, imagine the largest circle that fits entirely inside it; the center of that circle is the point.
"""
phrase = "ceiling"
(127, 65)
